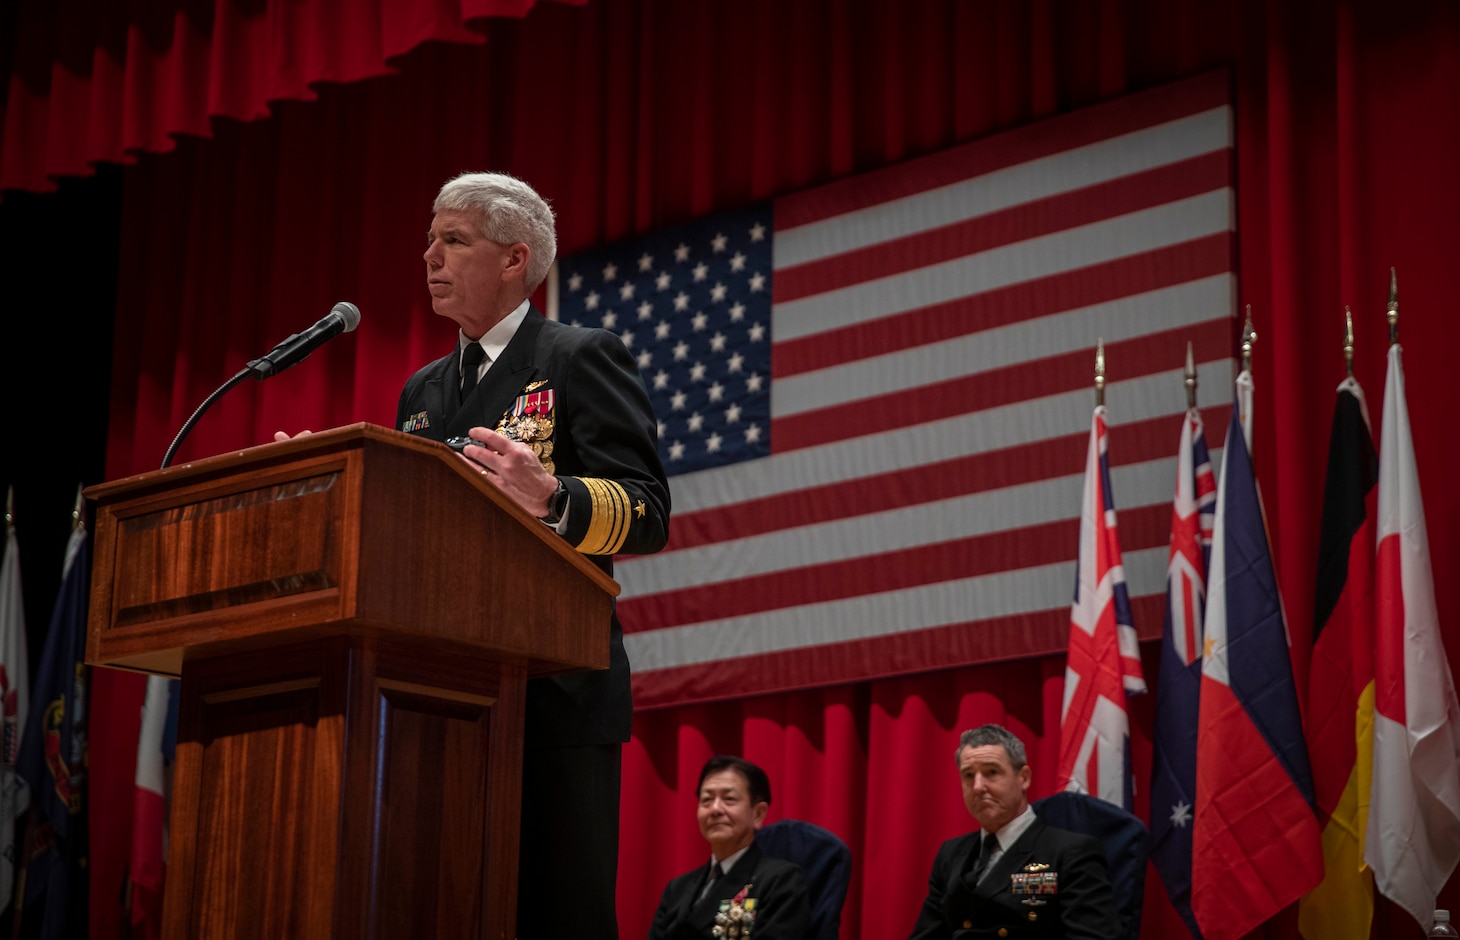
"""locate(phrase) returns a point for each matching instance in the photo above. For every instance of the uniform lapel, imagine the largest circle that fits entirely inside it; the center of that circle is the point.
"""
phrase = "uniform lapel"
(442, 379)
(702, 912)
(996, 882)
(958, 891)
(685, 904)
(503, 382)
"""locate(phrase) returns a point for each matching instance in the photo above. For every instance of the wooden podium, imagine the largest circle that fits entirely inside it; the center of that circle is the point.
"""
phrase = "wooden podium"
(354, 615)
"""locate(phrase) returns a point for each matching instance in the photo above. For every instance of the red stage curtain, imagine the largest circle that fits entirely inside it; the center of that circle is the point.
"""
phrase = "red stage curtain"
(632, 114)
(100, 81)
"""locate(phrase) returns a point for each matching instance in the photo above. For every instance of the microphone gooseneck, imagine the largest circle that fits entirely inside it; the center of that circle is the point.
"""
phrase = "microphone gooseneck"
(342, 318)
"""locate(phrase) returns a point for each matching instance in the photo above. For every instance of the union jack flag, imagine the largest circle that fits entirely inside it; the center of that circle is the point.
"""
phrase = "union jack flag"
(1104, 662)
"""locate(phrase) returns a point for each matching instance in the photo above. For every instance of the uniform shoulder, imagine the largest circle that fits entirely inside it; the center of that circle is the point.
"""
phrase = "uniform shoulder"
(957, 843)
(568, 336)
(429, 369)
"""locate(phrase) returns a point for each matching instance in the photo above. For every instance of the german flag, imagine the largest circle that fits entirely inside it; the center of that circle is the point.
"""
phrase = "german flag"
(1340, 711)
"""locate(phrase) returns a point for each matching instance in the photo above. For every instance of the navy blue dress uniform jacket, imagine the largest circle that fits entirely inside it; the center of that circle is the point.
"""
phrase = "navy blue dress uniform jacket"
(603, 449)
(782, 906)
(1081, 906)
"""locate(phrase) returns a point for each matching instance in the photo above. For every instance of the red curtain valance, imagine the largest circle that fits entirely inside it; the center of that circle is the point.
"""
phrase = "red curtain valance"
(99, 81)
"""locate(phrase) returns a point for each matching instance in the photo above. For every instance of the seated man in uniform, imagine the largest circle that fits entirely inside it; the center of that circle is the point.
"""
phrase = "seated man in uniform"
(738, 893)
(1017, 877)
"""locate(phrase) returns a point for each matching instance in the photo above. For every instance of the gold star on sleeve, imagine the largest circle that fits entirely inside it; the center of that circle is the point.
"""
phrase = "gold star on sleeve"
(639, 509)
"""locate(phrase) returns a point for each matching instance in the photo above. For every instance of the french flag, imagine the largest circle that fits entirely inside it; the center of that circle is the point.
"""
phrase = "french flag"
(156, 749)
(1104, 660)
(1255, 843)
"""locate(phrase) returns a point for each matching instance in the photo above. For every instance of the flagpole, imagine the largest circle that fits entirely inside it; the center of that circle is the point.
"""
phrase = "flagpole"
(78, 516)
(1244, 380)
(1348, 341)
(1392, 313)
(1190, 380)
(1100, 372)
(1249, 338)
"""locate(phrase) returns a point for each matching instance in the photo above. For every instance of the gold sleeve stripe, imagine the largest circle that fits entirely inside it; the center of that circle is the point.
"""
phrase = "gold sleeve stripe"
(608, 522)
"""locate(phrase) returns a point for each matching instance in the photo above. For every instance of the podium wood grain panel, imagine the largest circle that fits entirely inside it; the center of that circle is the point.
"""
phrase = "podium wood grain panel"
(354, 617)
(256, 798)
(230, 551)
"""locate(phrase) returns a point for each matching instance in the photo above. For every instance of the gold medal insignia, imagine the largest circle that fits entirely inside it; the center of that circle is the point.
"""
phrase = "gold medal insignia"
(530, 421)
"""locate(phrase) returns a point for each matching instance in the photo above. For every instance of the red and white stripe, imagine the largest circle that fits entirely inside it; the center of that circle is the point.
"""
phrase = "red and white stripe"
(934, 327)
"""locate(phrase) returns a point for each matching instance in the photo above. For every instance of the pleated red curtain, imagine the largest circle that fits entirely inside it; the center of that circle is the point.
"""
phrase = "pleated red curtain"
(101, 81)
(632, 114)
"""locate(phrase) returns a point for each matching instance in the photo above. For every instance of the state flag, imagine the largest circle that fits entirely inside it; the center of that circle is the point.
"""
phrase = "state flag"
(52, 762)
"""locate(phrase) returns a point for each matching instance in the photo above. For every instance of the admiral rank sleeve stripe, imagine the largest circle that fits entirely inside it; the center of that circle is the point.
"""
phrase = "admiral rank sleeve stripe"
(874, 396)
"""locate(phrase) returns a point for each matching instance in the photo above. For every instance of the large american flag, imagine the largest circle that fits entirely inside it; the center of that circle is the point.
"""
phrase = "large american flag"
(873, 396)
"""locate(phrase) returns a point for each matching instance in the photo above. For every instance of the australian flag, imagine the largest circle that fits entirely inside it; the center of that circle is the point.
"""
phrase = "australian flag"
(693, 306)
(52, 762)
(1178, 694)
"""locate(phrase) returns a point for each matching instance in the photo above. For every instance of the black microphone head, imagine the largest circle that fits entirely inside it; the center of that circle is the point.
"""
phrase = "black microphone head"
(349, 313)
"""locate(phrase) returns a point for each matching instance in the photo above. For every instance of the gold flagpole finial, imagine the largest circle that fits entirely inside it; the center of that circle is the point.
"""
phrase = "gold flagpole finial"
(1348, 340)
(10, 506)
(78, 514)
(1190, 378)
(1100, 372)
(1393, 313)
(1249, 337)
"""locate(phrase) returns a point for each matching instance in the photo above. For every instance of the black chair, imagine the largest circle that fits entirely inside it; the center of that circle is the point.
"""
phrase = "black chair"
(825, 859)
(1124, 837)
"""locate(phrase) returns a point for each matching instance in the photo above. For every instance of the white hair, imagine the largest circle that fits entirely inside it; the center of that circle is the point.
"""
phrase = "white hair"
(512, 212)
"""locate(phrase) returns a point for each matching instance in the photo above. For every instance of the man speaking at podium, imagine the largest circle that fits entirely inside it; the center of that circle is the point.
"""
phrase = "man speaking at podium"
(564, 428)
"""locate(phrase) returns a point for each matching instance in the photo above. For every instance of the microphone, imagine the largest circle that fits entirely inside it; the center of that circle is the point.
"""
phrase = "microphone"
(342, 318)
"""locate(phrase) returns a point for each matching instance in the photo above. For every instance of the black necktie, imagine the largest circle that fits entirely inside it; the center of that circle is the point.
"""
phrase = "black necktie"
(987, 847)
(715, 872)
(471, 361)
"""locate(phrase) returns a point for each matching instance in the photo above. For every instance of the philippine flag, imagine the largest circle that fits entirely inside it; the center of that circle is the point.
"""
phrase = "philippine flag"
(1255, 845)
